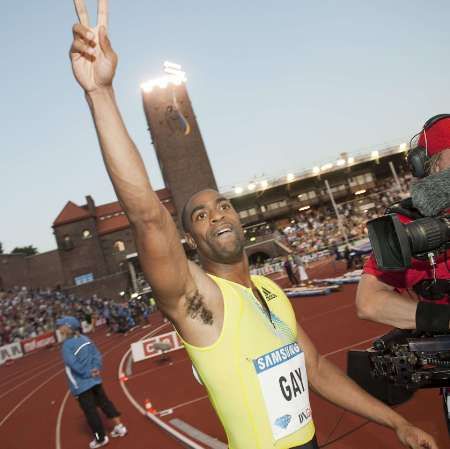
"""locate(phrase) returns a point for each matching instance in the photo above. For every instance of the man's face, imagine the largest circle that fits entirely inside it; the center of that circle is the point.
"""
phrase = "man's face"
(65, 331)
(444, 160)
(215, 227)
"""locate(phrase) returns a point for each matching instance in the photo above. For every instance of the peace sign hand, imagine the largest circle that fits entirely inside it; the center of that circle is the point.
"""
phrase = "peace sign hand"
(94, 62)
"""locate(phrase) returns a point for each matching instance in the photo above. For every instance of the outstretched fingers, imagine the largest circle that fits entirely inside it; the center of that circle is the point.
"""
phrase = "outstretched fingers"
(80, 48)
(82, 12)
(84, 33)
(83, 42)
(105, 43)
(102, 14)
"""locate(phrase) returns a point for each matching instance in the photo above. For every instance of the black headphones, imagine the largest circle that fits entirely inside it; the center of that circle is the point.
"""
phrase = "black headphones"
(417, 158)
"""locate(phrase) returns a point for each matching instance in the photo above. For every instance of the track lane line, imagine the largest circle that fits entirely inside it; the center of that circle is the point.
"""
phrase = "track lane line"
(25, 381)
(320, 315)
(28, 396)
(159, 422)
(151, 370)
(56, 362)
(193, 401)
(23, 372)
(352, 346)
(59, 419)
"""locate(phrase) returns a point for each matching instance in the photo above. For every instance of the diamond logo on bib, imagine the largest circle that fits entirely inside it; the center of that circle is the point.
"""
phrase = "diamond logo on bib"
(284, 386)
(283, 421)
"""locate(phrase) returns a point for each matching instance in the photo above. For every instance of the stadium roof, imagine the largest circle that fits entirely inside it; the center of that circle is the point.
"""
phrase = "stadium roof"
(109, 217)
(259, 185)
(71, 213)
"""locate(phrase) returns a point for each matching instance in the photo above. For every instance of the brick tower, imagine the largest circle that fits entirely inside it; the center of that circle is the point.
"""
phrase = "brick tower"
(176, 136)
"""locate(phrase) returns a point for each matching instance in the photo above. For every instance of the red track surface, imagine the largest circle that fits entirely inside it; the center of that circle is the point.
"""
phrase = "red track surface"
(33, 391)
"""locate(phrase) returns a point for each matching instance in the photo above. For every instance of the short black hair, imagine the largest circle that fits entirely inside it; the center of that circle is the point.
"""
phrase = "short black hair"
(184, 218)
(185, 215)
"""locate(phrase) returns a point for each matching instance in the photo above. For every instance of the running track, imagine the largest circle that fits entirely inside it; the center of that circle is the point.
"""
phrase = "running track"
(36, 411)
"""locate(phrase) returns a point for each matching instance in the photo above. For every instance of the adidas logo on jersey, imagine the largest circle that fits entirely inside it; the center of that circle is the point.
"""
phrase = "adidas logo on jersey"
(268, 294)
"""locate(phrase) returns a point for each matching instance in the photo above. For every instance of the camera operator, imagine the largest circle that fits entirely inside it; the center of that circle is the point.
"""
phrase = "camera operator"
(417, 296)
(379, 296)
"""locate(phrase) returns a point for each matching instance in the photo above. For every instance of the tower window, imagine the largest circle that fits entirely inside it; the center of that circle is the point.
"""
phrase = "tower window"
(119, 246)
(87, 234)
(67, 243)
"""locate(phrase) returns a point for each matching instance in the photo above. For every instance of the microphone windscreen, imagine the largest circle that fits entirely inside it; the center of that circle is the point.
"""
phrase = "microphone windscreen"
(431, 195)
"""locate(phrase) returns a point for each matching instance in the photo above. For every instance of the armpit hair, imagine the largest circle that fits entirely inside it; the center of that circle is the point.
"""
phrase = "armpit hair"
(196, 308)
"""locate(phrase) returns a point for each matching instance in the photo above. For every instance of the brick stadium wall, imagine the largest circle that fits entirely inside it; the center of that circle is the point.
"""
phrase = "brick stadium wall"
(86, 255)
(41, 270)
(45, 270)
(94, 255)
(13, 270)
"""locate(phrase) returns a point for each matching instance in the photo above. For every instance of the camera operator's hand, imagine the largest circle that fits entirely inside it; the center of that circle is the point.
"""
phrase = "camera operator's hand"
(94, 62)
(415, 438)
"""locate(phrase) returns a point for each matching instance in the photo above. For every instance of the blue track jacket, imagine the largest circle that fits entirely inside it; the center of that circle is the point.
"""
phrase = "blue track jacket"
(81, 356)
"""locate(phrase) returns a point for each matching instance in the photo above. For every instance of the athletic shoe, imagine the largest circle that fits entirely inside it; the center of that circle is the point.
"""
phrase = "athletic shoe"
(94, 444)
(119, 431)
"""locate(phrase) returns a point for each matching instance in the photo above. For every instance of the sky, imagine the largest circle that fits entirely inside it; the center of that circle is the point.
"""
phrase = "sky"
(277, 87)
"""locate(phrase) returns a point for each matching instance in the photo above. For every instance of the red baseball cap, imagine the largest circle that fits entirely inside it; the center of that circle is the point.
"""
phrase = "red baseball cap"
(436, 138)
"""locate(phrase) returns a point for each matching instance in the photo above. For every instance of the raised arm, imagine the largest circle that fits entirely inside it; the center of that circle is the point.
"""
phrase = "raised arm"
(160, 251)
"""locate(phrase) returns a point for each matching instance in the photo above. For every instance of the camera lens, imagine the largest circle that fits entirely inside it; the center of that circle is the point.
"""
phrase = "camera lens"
(427, 234)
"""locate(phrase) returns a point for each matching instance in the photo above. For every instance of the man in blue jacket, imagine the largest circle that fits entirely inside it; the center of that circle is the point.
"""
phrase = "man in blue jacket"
(83, 363)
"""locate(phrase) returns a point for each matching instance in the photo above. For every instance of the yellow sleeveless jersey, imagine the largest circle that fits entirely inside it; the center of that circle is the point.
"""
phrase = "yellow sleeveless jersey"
(254, 373)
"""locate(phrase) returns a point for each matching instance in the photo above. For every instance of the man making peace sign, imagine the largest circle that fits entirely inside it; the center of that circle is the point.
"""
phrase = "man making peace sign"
(253, 358)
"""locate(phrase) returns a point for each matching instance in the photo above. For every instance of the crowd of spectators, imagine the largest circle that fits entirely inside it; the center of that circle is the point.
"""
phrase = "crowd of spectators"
(27, 313)
(315, 232)
(317, 228)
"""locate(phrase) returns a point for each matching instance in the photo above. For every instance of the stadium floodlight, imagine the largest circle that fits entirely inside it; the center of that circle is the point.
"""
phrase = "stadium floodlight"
(403, 146)
(316, 170)
(360, 192)
(171, 65)
(375, 154)
(238, 190)
(350, 160)
(252, 239)
(340, 162)
(326, 167)
(304, 208)
(174, 75)
(264, 184)
(290, 177)
(251, 186)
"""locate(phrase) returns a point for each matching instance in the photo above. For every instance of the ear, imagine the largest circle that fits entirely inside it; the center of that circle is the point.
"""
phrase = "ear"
(190, 241)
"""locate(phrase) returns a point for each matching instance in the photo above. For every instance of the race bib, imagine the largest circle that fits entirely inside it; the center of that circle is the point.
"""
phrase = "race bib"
(284, 385)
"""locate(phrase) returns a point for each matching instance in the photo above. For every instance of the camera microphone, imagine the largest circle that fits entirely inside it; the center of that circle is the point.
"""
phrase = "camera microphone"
(431, 195)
